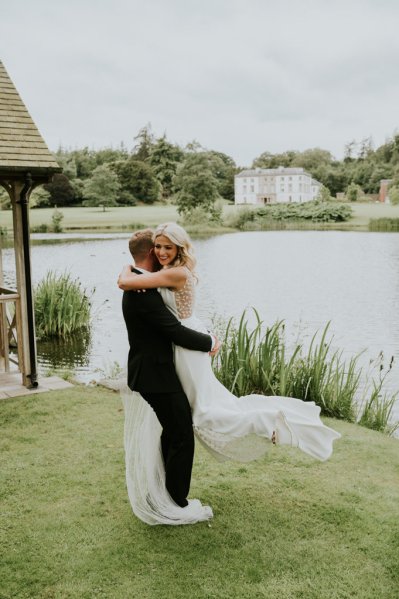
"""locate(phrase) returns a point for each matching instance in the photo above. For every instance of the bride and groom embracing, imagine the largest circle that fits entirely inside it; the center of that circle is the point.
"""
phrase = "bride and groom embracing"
(173, 394)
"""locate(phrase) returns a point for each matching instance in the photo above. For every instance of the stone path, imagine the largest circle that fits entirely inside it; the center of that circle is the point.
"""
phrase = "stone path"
(10, 385)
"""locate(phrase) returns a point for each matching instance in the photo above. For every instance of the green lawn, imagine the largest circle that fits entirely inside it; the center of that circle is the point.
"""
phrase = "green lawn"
(133, 216)
(117, 218)
(364, 212)
(284, 527)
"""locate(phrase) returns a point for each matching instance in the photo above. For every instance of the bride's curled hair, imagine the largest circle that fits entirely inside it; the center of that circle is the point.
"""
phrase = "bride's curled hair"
(178, 236)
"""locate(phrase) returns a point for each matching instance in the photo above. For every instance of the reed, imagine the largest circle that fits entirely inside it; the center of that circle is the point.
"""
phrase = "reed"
(62, 307)
(324, 377)
(384, 224)
(257, 361)
(376, 410)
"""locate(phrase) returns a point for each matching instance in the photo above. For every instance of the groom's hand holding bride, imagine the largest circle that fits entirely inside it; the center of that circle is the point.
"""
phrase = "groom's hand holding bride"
(216, 346)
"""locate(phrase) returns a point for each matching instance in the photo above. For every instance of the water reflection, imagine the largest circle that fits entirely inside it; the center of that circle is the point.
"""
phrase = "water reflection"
(71, 353)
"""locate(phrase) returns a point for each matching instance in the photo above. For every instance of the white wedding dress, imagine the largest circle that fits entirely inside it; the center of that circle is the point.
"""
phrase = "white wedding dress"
(229, 427)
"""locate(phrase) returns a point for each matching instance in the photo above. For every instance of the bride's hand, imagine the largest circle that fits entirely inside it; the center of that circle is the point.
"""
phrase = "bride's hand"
(126, 271)
(124, 277)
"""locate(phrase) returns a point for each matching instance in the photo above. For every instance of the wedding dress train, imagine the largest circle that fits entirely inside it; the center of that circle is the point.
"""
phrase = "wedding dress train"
(229, 427)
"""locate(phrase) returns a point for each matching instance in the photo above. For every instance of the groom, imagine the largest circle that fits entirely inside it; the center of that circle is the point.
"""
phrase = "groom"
(152, 329)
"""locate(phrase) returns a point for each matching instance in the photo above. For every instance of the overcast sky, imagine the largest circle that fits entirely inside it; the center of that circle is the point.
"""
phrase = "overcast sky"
(241, 77)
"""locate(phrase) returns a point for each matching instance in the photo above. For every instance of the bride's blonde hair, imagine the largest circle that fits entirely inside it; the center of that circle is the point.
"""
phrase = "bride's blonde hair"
(178, 236)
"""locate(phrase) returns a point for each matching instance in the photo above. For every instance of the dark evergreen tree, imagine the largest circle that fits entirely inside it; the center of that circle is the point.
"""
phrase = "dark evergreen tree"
(164, 160)
(60, 190)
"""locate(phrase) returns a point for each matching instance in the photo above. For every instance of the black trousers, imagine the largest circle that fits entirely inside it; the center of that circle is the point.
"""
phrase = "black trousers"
(177, 441)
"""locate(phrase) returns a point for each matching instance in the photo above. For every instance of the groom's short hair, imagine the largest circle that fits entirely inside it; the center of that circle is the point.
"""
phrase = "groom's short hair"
(141, 243)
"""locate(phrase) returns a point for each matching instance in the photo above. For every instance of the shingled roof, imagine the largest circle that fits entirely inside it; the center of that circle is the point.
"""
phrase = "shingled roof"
(22, 148)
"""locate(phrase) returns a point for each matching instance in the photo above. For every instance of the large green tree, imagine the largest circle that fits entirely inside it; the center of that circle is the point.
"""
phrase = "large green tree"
(312, 159)
(85, 161)
(224, 169)
(269, 160)
(144, 142)
(102, 188)
(60, 190)
(137, 182)
(164, 159)
(196, 185)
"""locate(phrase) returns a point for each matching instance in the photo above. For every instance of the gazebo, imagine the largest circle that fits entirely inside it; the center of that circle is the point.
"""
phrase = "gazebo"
(25, 163)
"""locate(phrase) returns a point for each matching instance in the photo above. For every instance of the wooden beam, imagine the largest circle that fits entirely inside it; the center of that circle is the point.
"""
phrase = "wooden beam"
(23, 333)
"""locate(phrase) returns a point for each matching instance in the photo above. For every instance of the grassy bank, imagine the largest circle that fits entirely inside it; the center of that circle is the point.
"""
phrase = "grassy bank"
(285, 526)
(128, 218)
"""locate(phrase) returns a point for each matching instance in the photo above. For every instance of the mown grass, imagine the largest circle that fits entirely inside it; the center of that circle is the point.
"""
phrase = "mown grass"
(285, 526)
(133, 217)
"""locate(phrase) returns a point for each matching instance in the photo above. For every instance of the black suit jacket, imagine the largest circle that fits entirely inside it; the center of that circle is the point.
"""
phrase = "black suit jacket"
(152, 329)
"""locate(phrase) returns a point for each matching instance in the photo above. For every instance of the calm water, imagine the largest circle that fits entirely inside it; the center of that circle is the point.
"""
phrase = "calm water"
(304, 277)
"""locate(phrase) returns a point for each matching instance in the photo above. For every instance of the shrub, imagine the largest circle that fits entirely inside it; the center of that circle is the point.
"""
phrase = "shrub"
(56, 219)
(62, 307)
(239, 219)
(354, 192)
(394, 194)
(203, 216)
(43, 228)
(315, 211)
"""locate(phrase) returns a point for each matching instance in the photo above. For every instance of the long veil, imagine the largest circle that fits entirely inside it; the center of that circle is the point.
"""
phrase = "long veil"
(145, 473)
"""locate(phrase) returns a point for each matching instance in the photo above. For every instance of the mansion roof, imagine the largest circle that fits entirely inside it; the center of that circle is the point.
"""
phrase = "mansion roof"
(281, 170)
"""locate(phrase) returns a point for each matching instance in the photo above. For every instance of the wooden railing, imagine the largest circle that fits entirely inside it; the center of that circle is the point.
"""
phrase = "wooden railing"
(10, 328)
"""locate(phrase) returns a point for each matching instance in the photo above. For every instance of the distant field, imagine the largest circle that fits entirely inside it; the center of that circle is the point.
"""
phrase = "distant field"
(364, 212)
(125, 217)
(132, 216)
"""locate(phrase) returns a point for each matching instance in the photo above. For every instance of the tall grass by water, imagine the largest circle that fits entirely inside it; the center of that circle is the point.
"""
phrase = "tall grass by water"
(257, 361)
(62, 306)
(384, 224)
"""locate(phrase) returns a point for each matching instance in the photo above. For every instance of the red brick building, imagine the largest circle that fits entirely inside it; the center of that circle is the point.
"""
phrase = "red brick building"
(383, 195)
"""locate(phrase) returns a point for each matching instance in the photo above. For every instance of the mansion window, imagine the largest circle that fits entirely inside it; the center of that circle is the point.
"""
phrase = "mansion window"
(252, 188)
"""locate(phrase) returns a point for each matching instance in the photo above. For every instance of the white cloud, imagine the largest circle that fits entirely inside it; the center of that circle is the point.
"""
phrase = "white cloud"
(241, 77)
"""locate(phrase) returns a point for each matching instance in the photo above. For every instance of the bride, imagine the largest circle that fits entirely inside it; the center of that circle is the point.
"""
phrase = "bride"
(230, 427)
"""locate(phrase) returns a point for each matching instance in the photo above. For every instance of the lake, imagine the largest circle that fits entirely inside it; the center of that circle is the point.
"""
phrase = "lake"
(306, 278)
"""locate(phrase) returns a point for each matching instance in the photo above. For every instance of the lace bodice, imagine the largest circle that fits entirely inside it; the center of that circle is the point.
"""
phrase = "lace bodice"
(185, 298)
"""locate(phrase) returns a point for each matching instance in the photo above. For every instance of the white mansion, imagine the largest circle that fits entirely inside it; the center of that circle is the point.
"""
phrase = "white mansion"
(274, 185)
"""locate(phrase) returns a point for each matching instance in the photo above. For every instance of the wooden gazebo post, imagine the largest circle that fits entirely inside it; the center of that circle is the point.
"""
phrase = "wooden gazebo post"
(25, 162)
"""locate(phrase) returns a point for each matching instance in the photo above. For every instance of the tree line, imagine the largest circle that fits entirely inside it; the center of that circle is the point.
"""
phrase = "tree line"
(155, 170)
(195, 178)
(359, 173)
